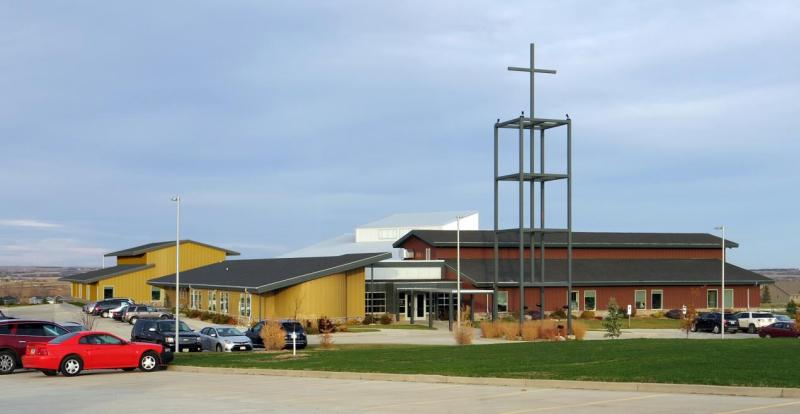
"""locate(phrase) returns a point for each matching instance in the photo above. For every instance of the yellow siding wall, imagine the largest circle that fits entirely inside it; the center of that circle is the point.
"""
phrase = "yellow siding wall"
(134, 285)
(339, 295)
(355, 293)
(141, 259)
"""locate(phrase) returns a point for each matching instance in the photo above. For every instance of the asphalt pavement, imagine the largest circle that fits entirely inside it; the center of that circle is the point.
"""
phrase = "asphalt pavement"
(173, 392)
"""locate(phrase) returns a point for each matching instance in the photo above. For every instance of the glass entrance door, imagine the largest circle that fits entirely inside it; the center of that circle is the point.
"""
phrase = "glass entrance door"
(417, 304)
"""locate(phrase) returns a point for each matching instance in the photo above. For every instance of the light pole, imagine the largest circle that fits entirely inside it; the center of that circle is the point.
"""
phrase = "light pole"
(722, 304)
(458, 272)
(177, 200)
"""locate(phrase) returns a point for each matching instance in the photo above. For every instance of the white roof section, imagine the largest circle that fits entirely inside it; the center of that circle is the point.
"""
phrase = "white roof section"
(344, 244)
(379, 235)
(417, 220)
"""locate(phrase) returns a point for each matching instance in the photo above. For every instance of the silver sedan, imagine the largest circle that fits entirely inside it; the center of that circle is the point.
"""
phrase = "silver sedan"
(224, 338)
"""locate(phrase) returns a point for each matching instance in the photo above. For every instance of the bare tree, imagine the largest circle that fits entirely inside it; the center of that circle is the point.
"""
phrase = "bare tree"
(88, 320)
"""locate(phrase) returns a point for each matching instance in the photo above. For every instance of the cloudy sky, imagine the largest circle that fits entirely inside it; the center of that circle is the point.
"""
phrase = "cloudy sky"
(285, 123)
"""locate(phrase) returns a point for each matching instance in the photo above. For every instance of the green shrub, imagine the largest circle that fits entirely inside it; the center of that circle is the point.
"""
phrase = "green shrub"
(587, 314)
(368, 319)
(386, 319)
(613, 320)
(791, 307)
(657, 314)
(204, 316)
(558, 314)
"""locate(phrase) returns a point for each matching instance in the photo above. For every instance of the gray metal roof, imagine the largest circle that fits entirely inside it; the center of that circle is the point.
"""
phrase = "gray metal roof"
(100, 274)
(485, 238)
(612, 272)
(135, 251)
(264, 275)
(417, 219)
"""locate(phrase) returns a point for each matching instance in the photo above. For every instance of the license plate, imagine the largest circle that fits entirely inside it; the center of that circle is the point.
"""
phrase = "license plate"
(185, 350)
(242, 348)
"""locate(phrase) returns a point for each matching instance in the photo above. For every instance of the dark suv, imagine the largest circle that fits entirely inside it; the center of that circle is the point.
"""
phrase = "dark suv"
(102, 307)
(15, 334)
(288, 326)
(710, 322)
(162, 332)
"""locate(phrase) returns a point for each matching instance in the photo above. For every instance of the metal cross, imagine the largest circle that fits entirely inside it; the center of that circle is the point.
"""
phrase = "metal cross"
(532, 70)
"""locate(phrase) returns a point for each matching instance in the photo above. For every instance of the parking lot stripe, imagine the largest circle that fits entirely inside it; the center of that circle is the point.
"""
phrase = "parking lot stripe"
(587, 404)
(763, 407)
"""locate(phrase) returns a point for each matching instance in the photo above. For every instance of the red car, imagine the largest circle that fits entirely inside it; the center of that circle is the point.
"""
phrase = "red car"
(779, 330)
(77, 351)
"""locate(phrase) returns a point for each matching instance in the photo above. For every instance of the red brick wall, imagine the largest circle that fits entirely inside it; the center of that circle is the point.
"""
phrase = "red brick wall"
(674, 297)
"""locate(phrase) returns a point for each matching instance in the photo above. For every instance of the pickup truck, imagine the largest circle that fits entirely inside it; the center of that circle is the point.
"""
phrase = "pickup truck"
(753, 321)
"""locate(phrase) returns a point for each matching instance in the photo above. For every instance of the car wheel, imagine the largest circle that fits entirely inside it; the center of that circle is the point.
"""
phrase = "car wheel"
(8, 362)
(133, 320)
(767, 336)
(49, 372)
(104, 314)
(219, 348)
(149, 362)
(715, 330)
(694, 328)
(164, 317)
(71, 366)
(751, 329)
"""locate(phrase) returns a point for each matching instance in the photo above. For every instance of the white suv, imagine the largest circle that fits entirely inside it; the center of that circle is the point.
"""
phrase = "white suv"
(753, 321)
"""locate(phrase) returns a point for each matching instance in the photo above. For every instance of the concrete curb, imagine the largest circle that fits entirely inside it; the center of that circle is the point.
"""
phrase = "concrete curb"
(761, 392)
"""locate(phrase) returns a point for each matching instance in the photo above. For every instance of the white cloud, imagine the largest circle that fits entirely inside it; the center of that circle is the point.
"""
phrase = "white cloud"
(51, 252)
(28, 223)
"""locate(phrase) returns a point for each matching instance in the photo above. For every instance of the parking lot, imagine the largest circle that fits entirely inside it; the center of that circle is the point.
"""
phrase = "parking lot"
(167, 391)
(441, 336)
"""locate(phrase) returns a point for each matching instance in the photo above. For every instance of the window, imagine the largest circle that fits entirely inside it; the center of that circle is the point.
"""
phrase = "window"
(574, 298)
(52, 330)
(640, 298)
(375, 302)
(244, 304)
(223, 302)
(427, 253)
(212, 301)
(108, 292)
(728, 299)
(590, 300)
(502, 301)
(5, 329)
(711, 298)
(387, 234)
(656, 299)
(401, 303)
(194, 299)
(155, 294)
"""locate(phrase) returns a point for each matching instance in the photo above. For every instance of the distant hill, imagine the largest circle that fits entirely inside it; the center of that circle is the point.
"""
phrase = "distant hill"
(777, 274)
(19, 272)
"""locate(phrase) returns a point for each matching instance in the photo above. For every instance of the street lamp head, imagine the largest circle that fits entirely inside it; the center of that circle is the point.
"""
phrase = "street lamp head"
(176, 198)
(719, 228)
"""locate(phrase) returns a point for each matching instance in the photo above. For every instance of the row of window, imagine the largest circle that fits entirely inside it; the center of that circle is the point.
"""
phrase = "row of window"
(245, 302)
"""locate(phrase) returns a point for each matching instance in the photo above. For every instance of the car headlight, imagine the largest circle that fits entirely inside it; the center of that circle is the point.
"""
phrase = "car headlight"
(170, 339)
(227, 342)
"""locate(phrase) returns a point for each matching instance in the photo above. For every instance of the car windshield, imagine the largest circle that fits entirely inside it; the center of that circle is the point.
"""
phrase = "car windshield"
(292, 327)
(63, 338)
(229, 332)
(170, 326)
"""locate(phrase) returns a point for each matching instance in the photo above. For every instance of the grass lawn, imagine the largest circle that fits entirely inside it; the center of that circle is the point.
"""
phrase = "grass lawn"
(765, 362)
(636, 323)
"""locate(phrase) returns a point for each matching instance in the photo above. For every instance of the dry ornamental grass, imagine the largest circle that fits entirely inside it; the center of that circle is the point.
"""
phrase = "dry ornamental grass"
(273, 335)
(463, 334)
